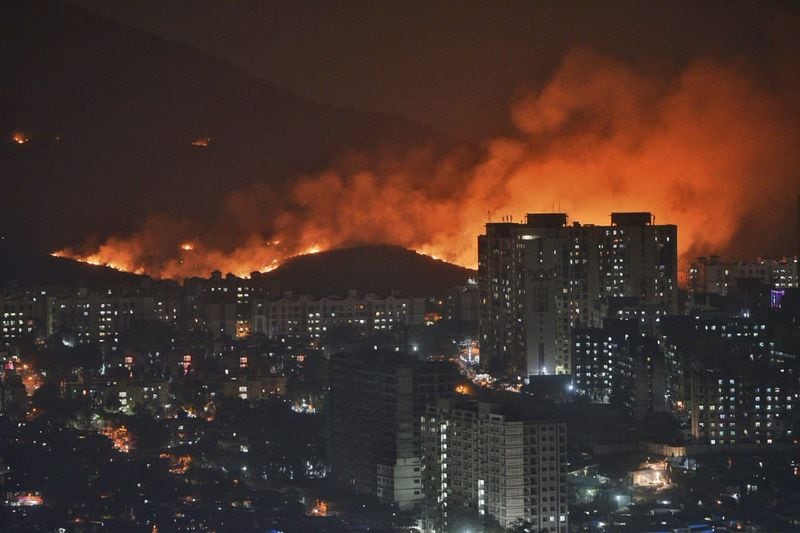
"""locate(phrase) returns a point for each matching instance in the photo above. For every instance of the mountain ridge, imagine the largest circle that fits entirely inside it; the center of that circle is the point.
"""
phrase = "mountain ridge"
(101, 103)
(377, 269)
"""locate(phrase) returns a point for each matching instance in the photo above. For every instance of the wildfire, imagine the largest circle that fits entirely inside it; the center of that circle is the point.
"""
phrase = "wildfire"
(101, 260)
(201, 142)
(705, 149)
(257, 256)
(313, 249)
(93, 259)
(270, 267)
(19, 137)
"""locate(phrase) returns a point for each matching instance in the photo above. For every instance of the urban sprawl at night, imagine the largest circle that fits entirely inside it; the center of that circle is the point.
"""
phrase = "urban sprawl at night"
(415, 267)
(569, 385)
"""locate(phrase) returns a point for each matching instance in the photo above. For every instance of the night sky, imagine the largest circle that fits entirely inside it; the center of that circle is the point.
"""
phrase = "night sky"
(455, 66)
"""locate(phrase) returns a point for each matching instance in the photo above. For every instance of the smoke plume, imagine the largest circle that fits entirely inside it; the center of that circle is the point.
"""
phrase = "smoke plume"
(712, 148)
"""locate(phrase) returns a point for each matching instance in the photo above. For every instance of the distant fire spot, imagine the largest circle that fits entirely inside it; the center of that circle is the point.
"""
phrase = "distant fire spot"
(313, 249)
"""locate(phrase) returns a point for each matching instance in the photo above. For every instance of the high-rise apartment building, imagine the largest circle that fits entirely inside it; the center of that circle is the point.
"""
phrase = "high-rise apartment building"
(541, 278)
(596, 357)
(376, 401)
(315, 317)
(83, 316)
(617, 364)
(484, 459)
(743, 405)
(712, 275)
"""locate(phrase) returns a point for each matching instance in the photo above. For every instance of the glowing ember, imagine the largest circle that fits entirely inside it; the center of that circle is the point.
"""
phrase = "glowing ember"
(187, 246)
(19, 137)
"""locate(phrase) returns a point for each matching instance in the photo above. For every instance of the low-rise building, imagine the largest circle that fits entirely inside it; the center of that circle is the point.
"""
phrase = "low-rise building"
(314, 317)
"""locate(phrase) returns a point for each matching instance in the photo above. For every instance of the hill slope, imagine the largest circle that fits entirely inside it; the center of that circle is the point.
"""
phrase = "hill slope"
(110, 114)
(27, 270)
(365, 269)
(376, 269)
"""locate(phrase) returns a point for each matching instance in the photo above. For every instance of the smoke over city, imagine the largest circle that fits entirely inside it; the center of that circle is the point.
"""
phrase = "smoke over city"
(705, 148)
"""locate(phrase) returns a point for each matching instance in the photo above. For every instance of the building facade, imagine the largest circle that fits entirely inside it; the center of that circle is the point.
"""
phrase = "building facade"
(309, 317)
(83, 316)
(714, 276)
(376, 400)
(541, 278)
(616, 364)
(479, 460)
(753, 405)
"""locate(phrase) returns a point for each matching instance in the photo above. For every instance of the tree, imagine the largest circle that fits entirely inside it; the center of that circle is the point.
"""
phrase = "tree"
(47, 399)
(520, 526)
(112, 403)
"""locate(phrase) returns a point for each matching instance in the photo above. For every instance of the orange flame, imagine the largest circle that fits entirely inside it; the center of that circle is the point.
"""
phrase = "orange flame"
(255, 257)
(19, 137)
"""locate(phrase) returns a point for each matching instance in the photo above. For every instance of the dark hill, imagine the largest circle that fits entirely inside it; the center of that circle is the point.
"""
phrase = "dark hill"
(111, 114)
(375, 269)
(28, 270)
